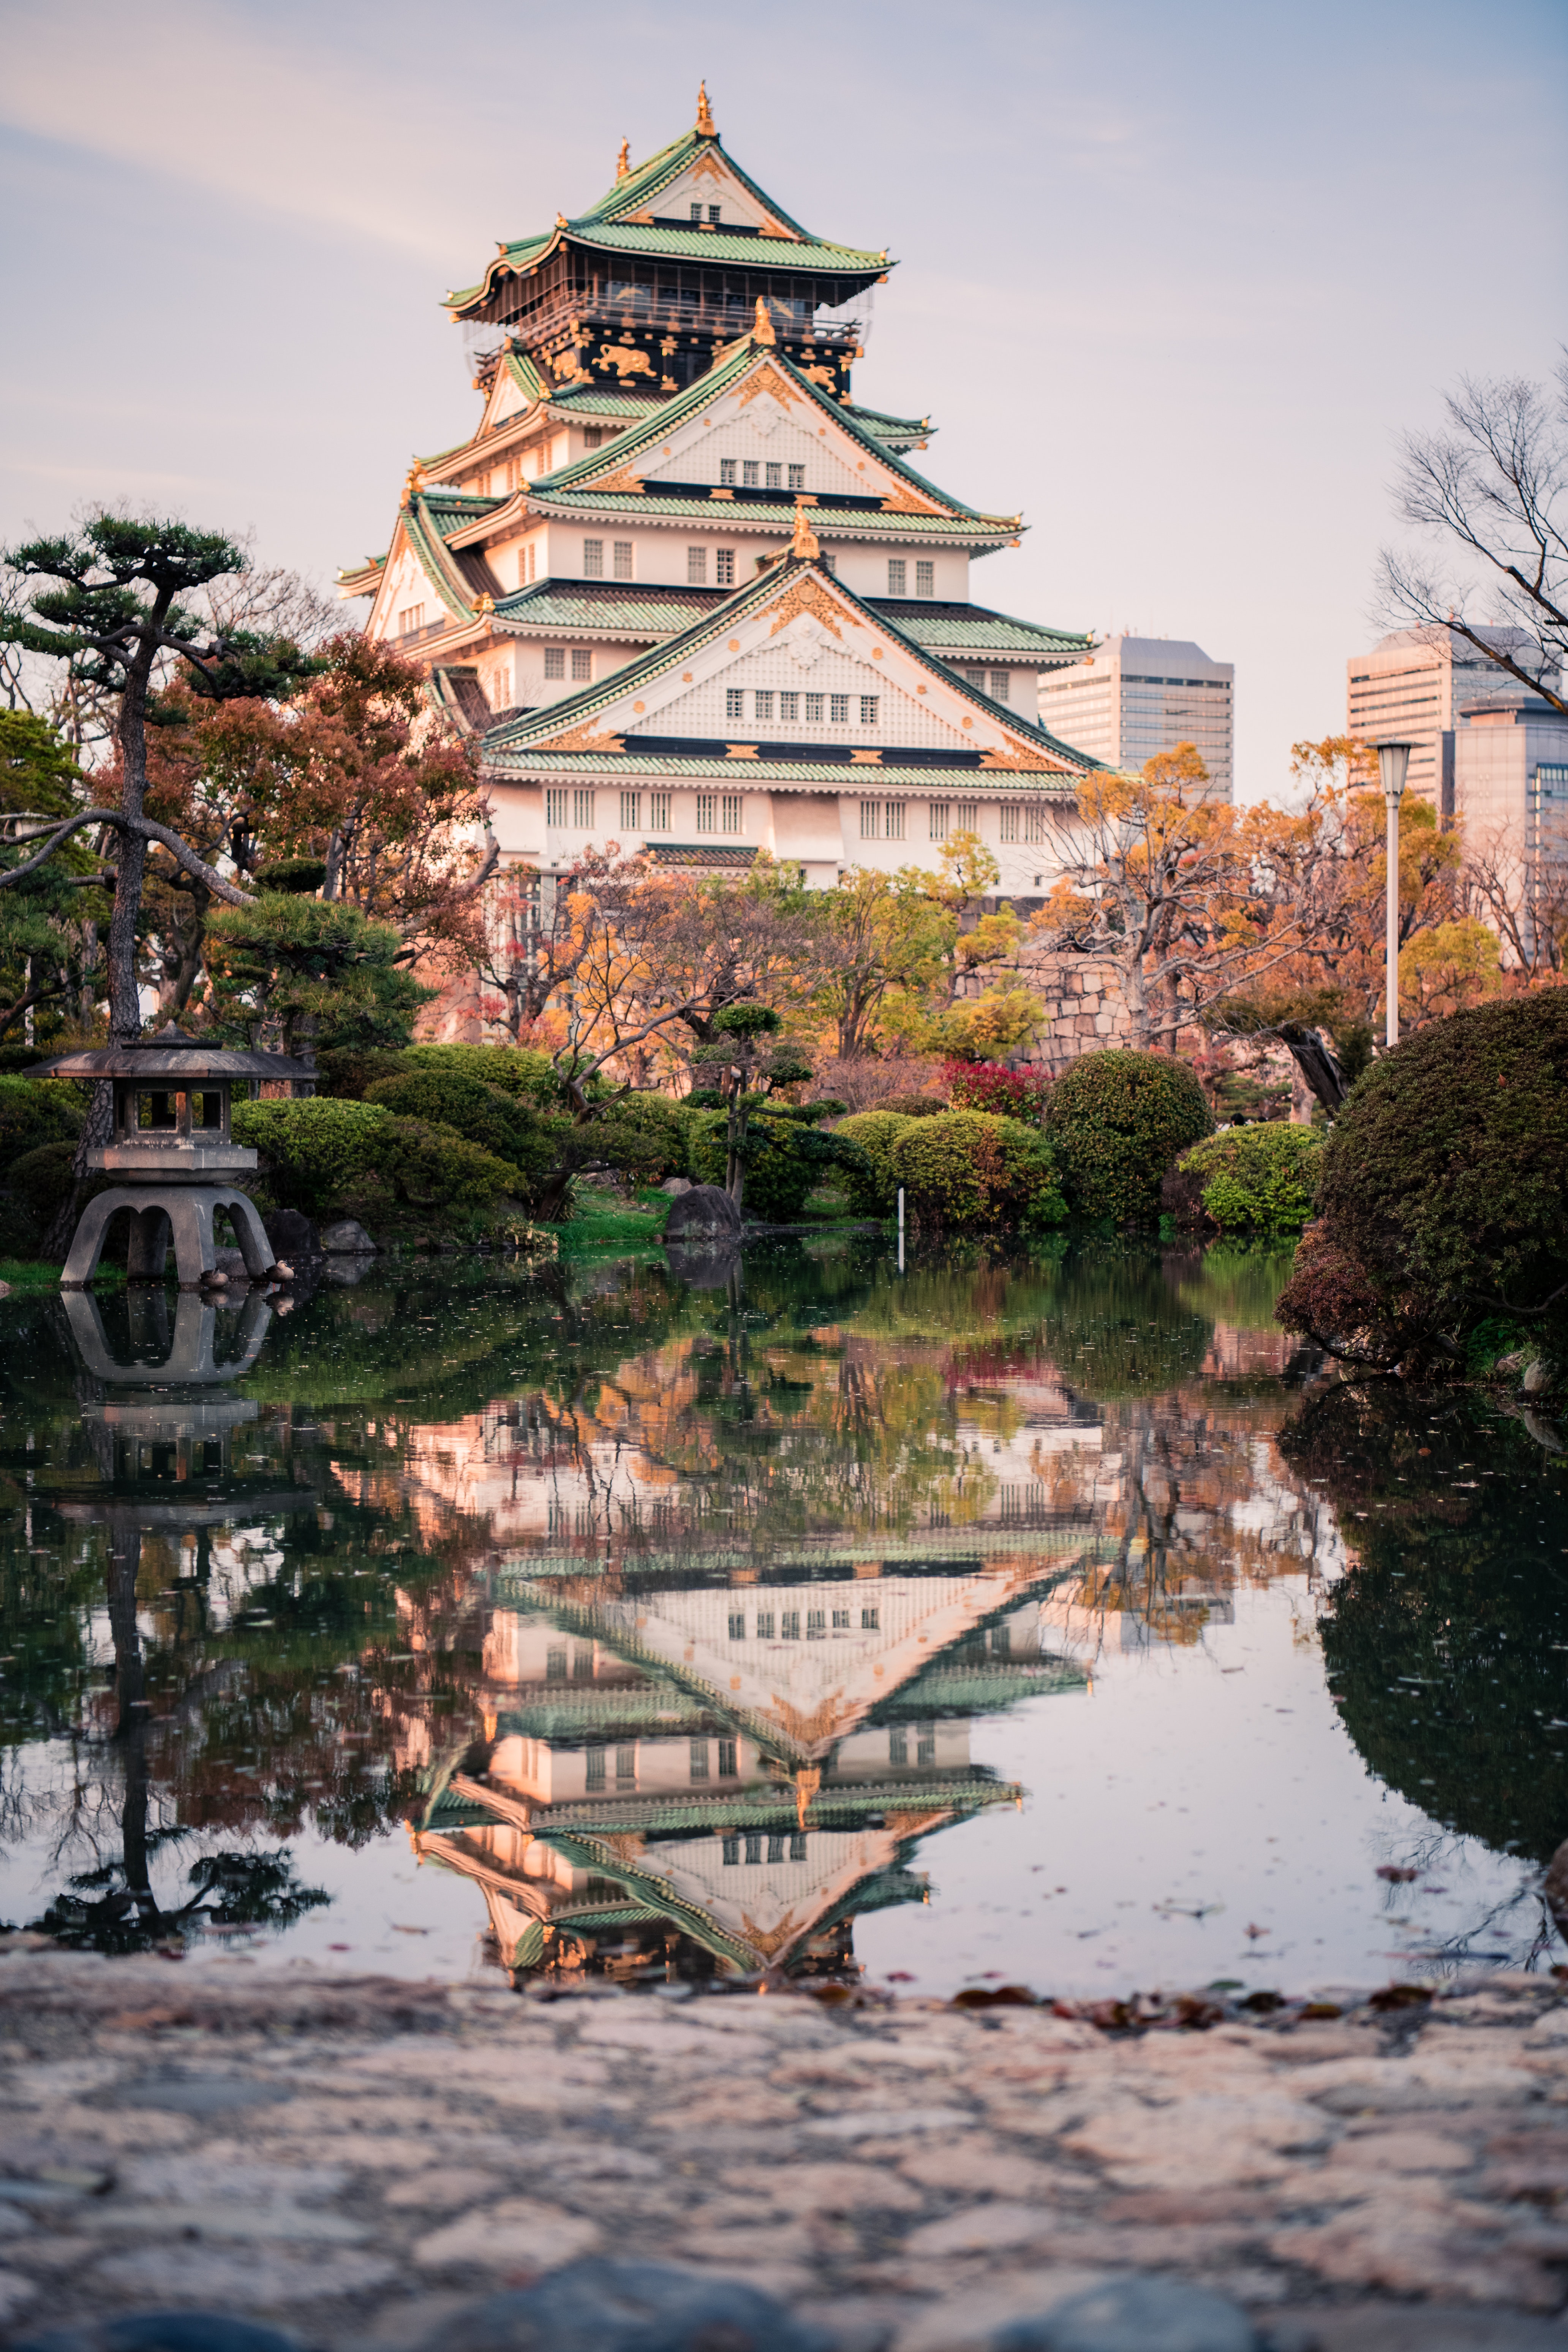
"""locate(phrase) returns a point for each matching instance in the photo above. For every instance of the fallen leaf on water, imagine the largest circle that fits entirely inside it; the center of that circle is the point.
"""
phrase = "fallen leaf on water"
(1396, 1874)
(398, 1929)
(1254, 1932)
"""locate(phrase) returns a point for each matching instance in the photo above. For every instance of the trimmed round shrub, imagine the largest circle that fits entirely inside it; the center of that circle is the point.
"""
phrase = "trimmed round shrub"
(1246, 1181)
(519, 1070)
(1444, 1194)
(507, 1125)
(873, 1194)
(1117, 1120)
(966, 1168)
(787, 1160)
(340, 1158)
(644, 1136)
(34, 1111)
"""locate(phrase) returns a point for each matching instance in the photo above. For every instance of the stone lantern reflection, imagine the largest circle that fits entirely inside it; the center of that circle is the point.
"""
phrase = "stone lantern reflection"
(173, 1152)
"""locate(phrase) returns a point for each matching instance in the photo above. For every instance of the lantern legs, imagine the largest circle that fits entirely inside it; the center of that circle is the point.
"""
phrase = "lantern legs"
(182, 1214)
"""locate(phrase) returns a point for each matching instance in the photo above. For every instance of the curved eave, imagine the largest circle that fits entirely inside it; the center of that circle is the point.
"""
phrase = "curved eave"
(797, 254)
(980, 531)
(856, 778)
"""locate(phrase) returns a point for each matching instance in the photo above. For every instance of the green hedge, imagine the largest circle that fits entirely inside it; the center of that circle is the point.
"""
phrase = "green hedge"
(507, 1125)
(1246, 1181)
(36, 1111)
(1117, 1120)
(873, 1193)
(517, 1071)
(787, 1160)
(361, 1160)
(967, 1170)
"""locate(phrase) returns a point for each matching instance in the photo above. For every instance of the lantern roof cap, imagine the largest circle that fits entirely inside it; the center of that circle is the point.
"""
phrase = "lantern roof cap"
(171, 1053)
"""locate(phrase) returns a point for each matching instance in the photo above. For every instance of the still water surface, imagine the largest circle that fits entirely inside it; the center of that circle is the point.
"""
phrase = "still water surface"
(1043, 1619)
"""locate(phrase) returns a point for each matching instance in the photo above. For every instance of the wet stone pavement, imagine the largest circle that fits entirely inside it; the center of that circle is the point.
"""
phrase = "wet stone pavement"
(363, 2162)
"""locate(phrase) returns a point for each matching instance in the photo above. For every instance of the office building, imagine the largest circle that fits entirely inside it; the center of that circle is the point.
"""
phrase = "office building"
(1134, 697)
(1409, 689)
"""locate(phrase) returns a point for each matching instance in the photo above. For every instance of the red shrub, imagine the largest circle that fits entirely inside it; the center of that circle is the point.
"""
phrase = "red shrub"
(992, 1086)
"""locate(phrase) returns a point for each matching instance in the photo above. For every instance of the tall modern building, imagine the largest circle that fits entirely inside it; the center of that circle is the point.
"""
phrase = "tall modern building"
(1134, 696)
(690, 590)
(1410, 690)
(1510, 793)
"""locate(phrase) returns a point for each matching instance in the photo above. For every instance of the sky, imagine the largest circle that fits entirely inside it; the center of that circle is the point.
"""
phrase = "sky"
(1171, 280)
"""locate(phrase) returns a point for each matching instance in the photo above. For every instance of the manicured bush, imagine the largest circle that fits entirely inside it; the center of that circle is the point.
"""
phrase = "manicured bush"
(1117, 1120)
(1444, 1195)
(510, 1126)
(990, 1085)
(34, 1111)
(644, 1136)
(338, 1159)
(873, 1193)
(787, 1160)
(1245, 1181)
(966, 1170)
(519, 1070)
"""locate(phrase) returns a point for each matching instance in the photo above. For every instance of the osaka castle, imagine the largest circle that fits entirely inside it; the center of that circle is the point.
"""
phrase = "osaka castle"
(692, 594)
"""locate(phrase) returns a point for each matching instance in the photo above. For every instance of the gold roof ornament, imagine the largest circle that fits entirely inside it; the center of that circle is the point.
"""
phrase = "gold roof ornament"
(804, 548)
(487, 603)
(624, 161)
(763, 333)
(807, 1784)
(706, 128)
(415, 476)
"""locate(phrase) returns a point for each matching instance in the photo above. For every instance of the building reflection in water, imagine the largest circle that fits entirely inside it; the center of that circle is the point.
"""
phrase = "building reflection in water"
(718, 1769)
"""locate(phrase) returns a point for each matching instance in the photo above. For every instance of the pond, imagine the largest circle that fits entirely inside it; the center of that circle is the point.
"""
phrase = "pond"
(1047, 1618)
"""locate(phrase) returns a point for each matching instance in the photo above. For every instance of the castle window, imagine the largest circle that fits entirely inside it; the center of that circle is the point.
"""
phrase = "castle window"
(583, 810)
(753, 1845)
(724, 566)
(763, 704)
(976, 677)
(966, 816)
(871, 1621)
(707, 812)
(764, 1625)
(841, 1621)
(898, 576)
(697, 567)
(555, 1665)
(554, 661)
(925, 580)
(1033, 824)
(775, 478)
(776, 1846)
(797, 1845)
(594, 1775)
(623, 558)
(412, 618)
(554, 805)
(659, 811)
(871, 816)
(789, 705)
(696, 212)
(582, 662)
(838, 710)
(814, 703)
(728, 1759)
(789, 1624)
(828, 562)
(727, 469)
(734, 702)
(1009, 821)
(713, 215)
(938, 820)
(894, 814)
(751, 474)
(734, 812)
(1001, 685)
(627, 1767)
(592, 436)
(732, 1849)
(869, 709)
(737, 1625)
(925, 1743)
(631, 811)
(593, 559)
(899, 1746)
(700, 1760)
(797, 477)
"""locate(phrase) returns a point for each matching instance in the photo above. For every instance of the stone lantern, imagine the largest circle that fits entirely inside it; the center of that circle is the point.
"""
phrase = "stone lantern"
(173, 1153)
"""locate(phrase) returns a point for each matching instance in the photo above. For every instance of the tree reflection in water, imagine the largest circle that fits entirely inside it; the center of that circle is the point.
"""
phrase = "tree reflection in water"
(661, 1612)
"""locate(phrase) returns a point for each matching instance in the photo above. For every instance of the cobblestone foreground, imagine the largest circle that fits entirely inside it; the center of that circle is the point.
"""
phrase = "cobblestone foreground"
(362, 2160)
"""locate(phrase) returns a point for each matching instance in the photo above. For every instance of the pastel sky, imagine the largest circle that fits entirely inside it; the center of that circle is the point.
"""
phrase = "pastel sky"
(1172, 280)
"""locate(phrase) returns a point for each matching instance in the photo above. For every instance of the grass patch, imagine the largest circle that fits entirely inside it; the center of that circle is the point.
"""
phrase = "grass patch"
(27, 1274)
(614, 1226)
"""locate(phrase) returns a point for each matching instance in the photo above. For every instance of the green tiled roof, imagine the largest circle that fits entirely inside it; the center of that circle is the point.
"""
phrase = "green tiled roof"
(841, 523)
(702, 854)
(730, 367)
(510, 747)
(605, 228)
(882, 428)
(941, 784)
(972, 628)
(556, 605)
(428, 519)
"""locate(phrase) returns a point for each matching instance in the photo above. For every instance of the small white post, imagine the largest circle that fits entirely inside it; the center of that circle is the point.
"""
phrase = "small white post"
(901, 1229)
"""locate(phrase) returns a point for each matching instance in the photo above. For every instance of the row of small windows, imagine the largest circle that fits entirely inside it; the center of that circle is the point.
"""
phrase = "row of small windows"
(755, 475)
(835, 708)
(620, 558)
(925, 1745)
(412, 618)
(596, 1759)
(1001, 683)
(572, 807)
(753, 1841)
(582, 661)
(899, 575)
(783, 1625)
(697, 567)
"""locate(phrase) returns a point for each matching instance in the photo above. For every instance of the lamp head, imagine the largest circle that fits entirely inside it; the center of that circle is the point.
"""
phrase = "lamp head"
(1393, 761)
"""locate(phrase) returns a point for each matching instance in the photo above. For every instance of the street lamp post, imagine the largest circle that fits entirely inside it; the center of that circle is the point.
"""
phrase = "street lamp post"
(1393, 761)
